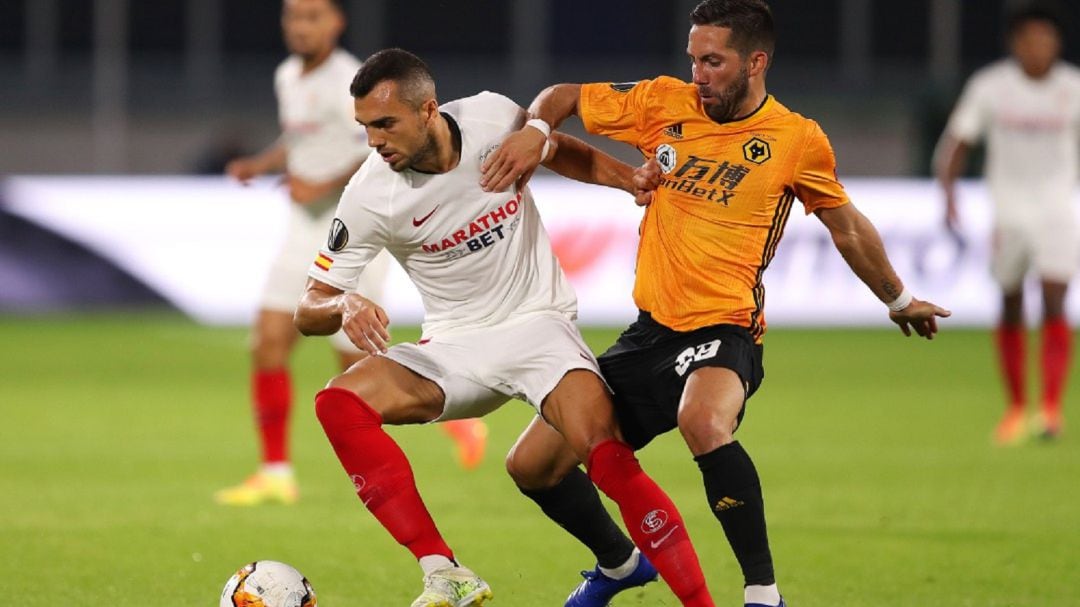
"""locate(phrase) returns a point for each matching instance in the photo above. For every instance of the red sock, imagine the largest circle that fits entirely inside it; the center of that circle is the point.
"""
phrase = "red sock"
(271, 393)
(1056, 352)
(652, 520)
(1012, 354)
(379, 471)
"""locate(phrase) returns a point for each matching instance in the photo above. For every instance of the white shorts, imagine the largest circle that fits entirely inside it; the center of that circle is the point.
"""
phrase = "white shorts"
(306, 233)
(480, 369)
(1047, 244)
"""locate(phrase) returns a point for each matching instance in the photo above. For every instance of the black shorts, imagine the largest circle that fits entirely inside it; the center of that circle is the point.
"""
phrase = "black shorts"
(648, 366)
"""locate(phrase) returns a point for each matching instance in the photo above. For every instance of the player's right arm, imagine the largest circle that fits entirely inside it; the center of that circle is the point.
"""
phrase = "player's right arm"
(950, 158)
(577, 160)
(816, 185)
(324, 309)
(270, 160)
(860, 245)
(520, 152)
(966, 125)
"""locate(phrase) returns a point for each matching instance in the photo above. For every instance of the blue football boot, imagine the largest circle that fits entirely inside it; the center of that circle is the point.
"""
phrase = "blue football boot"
(598, 589)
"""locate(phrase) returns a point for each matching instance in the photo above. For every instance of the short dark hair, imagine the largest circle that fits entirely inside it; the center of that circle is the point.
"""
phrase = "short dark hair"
(409, 71)
(1048, 12)
(339, 5)
(750, 22)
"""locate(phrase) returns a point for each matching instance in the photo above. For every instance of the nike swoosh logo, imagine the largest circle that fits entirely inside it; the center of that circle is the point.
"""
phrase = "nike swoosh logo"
(656, 543)
(418, 222)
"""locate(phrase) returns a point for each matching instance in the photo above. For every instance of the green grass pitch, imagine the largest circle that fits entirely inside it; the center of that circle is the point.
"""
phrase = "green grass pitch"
(882, 486)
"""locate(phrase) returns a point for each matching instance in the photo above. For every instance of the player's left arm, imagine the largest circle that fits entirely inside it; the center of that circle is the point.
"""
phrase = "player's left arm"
(324, 308)
(573, 158)
(860, 245)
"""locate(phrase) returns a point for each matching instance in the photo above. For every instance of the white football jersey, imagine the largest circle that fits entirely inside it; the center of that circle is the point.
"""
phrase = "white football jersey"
(1032, 132)
(477, 258)
(318, 123)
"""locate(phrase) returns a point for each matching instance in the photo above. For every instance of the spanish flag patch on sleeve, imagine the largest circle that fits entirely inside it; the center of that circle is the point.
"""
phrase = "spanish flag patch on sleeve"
(324, 262)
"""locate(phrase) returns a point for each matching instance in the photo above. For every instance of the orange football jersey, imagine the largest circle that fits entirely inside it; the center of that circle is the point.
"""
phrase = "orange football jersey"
(726, 193)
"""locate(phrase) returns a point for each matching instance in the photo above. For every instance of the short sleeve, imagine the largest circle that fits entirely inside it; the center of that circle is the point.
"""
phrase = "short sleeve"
(815, 183)
(615, 110)
(969, 119)
(356, 236)
(502, 110)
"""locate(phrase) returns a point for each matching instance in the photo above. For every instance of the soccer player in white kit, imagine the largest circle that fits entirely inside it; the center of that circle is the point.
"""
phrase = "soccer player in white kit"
(320, 148)
(1027, 107)
(498, 321)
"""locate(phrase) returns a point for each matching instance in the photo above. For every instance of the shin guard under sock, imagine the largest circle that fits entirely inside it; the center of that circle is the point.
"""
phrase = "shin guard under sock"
(271, 395)
(1056, 354)
(651, 518)
(1011, 341)
(575, 505)
(379, 471)
(734, 492)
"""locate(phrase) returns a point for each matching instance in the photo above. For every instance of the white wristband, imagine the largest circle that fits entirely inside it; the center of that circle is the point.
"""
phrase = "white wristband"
(545, 128)
(901, 302)
(540, 125)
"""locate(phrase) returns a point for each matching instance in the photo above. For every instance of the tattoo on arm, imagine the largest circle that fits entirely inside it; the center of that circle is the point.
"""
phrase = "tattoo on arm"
(890, 289)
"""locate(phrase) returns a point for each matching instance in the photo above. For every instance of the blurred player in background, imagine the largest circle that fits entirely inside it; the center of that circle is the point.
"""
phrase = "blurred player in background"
(498, 322)
(1027, 107)
(727, 162)
(321, 147)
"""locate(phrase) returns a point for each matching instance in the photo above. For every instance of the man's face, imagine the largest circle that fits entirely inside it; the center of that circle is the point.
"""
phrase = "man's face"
(311, 27)
(718, 70)
(400, 133)
(1036, 44)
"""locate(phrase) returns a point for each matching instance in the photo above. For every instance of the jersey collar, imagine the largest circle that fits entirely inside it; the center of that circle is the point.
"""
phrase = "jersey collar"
(760, 110)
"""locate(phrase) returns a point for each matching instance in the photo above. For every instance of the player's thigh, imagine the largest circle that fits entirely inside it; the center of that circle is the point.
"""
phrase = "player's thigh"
(1011, 252)
(530, 357)
(709, 411)
(541, 457)
(1057, 255)
(272, 338)
(580, 408)
(397, 393)
(451, 365)
(649, 368)
(304, 235)
(645, 394)
(722, 368)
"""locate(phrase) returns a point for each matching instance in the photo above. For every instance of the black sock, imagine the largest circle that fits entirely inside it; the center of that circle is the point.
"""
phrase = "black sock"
(734, 491)
(575, 505)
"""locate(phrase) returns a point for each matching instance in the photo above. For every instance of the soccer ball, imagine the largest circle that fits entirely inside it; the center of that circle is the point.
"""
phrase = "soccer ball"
(267, 584)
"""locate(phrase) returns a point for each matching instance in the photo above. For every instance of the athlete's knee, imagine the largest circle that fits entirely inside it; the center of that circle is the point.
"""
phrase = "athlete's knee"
(525, 474)
(530, 472)
(339, 408)
(346, 381)
(705, 429)
(272, 339)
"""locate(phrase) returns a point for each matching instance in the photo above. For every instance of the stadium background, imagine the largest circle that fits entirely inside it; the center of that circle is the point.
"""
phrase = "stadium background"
(121, 415)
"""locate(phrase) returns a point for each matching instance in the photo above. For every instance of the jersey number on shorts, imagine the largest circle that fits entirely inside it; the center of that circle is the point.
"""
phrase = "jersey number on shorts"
(692, 354)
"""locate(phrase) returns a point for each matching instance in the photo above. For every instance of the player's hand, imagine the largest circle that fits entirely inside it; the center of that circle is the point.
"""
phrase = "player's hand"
(242, 169)
(517, 157)
(952, 215)
(365, 323)
(646, 181)
(305, 192)
(920, 316)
